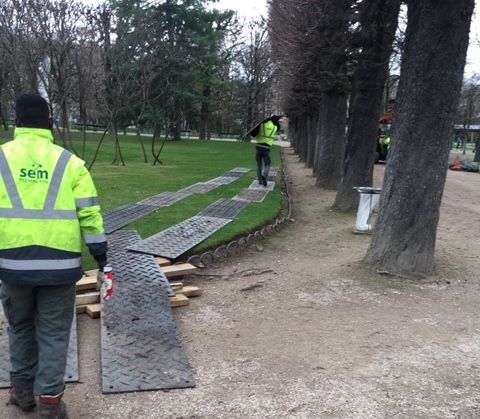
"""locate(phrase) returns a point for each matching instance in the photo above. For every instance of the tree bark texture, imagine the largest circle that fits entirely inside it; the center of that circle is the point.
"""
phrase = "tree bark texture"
(331, 142)
(177, 127)
(379, 23)
(476, 158)
(293, 134)
(436, 43)
(312, 135)
(331, 65)
(302, 139)
(205, 114)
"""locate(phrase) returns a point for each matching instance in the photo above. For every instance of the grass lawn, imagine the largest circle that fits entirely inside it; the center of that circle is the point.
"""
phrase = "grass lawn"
(185, 162)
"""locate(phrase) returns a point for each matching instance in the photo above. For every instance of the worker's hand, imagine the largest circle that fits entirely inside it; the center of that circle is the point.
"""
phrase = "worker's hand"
(105, 280)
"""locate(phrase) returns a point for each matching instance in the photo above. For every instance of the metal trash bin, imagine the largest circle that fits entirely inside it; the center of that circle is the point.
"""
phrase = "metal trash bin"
(369, 198)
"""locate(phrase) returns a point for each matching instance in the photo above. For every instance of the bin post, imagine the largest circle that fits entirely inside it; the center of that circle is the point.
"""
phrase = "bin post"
(369, 198)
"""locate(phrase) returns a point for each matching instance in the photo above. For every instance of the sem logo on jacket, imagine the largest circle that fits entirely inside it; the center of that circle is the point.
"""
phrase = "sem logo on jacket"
(35, 174)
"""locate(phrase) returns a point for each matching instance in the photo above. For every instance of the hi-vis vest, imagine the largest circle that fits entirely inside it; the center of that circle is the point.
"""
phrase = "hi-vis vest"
(266, 133)
(47, 200)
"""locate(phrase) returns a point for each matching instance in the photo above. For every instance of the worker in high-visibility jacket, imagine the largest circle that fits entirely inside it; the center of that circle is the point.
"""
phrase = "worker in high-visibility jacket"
(265, 134)
(47, 202)
(387, 141)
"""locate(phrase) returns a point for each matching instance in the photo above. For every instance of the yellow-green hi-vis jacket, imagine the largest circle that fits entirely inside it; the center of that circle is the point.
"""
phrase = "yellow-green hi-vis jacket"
(266, 134)
(47, 201)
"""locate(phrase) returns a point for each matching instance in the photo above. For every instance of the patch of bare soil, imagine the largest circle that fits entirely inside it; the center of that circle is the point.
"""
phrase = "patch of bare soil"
(298, 328)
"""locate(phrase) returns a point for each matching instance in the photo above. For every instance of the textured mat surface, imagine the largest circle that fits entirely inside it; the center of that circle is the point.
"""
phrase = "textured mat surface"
(253, 195)
(224, 208)
(141, 348)
(223, 180)
(256, 186)
(180, 238)
(199, 188)
(120, 217)
(165, 199)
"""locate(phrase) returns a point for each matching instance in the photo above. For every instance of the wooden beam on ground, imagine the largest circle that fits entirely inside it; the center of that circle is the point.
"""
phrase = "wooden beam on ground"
(81, 309)
(179, 301)
(86, 283)
(87, 298)
(92, 272)
(178, 270)
(94, 310)
(188, 291)
(163, 261)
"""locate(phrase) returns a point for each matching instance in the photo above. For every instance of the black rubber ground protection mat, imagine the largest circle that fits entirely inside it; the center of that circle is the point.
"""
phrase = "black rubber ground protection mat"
(234, 174)
(71, 373)
(224, 208)
(223, 180)
(120, 217)
(165, 199)
(141, 348)
(253, 195)
(257, 186)
(272, 175)
(199, 188)
(178, 239)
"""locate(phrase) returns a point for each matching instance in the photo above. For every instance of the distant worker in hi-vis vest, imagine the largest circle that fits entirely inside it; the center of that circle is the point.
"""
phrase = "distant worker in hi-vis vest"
(47, 202)
(265, 134)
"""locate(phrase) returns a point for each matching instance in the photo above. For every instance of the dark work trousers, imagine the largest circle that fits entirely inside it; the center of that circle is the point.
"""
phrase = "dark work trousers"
(39, 322)
(263, 156)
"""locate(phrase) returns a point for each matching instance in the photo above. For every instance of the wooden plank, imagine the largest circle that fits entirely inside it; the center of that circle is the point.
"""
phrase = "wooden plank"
(178, 270)
(92, 272)
(81, 309)
(163, 261)
(179, 301)
(94, 310)
(87, 283)
(176, 285)
(188, 291)
(87, 298)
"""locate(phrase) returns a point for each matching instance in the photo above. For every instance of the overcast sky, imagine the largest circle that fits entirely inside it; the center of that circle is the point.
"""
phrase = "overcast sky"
(247, 8)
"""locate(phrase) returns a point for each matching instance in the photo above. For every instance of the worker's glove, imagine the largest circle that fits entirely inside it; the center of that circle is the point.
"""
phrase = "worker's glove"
(105, 280)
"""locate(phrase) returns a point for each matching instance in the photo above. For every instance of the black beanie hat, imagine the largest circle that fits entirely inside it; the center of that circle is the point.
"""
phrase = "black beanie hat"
(32, 111)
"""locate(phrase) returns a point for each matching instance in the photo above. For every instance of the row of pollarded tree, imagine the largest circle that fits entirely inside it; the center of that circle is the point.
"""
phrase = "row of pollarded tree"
(334, 50)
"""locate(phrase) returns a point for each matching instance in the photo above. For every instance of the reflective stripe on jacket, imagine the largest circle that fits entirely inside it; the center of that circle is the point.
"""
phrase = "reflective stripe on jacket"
(47, 200)
(266, 133)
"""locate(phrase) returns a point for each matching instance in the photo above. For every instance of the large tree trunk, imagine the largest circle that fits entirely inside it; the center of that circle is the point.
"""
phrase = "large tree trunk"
(177, 127)
(331, 59)
(302, 139)
(331, 141)
(379, 22)
(205, 114)
(432, 68)
(3, 114)
(65, 122)
(293, 133)
(312, 135)
(476, 158)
